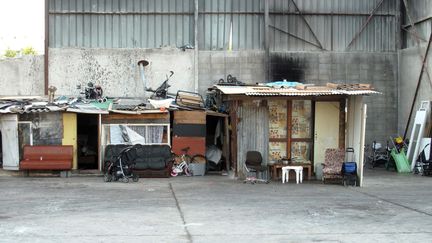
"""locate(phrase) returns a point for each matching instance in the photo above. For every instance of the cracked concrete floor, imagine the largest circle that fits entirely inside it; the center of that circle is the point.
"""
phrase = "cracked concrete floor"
(390, 208)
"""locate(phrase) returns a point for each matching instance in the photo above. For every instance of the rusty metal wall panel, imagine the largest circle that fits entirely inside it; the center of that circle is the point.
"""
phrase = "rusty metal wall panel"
(252, 131)
(120, 23)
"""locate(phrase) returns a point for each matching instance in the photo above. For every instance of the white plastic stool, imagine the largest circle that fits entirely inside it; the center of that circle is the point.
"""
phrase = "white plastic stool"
(298, 170)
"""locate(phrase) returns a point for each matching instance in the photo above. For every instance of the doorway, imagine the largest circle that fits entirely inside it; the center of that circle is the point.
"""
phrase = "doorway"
(87, 141)
(326, 134)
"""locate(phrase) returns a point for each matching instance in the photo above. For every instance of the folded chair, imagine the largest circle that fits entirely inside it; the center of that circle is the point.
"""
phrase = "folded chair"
(332, 166)
(252, 164)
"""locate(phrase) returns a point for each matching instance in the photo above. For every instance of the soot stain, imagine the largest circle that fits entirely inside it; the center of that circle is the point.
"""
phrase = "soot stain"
(289, 68)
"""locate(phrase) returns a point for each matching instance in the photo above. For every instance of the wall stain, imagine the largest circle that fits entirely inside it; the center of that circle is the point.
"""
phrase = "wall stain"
(284, 67)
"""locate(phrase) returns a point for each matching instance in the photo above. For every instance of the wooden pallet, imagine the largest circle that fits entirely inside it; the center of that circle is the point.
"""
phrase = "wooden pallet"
(350, 86)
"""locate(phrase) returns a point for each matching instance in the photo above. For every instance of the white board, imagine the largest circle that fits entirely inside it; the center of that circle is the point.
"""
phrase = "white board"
(9, 131)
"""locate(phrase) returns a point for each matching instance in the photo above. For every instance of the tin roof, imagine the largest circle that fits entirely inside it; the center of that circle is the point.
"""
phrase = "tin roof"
(310, 91)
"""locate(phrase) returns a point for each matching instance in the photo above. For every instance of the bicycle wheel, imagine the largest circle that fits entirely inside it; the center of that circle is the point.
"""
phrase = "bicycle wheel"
(187, 171)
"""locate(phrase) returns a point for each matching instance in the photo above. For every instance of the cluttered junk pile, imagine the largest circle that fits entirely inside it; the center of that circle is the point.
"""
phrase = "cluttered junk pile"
(91, 99)
(406, 155)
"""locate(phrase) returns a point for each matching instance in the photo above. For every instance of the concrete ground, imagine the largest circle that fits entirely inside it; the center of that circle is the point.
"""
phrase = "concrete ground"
(390, 208)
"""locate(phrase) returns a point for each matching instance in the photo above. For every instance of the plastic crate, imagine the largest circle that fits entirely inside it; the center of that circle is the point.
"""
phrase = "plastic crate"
(349, 167)
(197, 169)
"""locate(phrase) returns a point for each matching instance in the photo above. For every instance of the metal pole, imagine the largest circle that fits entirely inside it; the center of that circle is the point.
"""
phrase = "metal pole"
(141, 65)
(46, 47)
(267, 40)
(418, 85)
(196, 53)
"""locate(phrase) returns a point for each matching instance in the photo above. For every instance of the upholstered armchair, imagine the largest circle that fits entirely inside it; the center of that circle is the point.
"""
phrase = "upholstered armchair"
(332, 166)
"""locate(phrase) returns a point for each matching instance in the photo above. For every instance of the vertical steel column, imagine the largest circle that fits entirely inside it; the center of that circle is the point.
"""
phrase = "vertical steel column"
(266, 40)
(46, 47)
(196, 53)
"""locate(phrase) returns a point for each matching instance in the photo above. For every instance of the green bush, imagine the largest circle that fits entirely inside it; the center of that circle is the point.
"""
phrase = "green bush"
(28, 51)
(10, 53)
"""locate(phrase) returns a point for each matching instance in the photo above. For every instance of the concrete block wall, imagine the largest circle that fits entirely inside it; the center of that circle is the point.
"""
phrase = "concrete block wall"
(378, 69)
(117, 70)
(22, 76)
(246, 66)
(410, 63)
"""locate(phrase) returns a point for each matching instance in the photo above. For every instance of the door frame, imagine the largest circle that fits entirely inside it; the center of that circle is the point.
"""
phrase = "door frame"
(342, 124)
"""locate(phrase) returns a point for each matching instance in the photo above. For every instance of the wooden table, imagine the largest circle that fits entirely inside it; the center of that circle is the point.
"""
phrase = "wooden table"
(275, 168)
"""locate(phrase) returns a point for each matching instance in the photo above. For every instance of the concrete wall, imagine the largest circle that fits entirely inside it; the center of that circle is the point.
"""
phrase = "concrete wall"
(379, 69)
(22, 76)
(247, 66)
(410, 63)
(117, 70)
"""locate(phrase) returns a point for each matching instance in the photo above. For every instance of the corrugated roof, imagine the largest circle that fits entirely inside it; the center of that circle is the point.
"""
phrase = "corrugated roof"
(269, 91)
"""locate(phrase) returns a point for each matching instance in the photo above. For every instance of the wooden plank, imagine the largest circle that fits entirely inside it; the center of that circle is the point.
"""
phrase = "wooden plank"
(189, 117)
(289, 130)
(190, 97)
(148, 116)
(234, 123)
(342, 124)
(332, 85)
(227, 143)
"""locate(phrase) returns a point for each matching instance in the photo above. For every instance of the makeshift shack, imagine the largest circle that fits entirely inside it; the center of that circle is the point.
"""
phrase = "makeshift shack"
(88, 127)
(297, 124)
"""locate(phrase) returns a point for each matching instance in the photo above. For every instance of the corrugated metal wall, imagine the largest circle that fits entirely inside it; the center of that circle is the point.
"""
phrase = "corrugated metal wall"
(120, 23)
(217, 17)
(252, 131)
(420, 12)
(334, 23)
(155, 23)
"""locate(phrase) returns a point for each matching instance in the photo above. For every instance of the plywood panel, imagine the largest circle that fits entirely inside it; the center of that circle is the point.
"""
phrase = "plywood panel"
(196, 144)
(189, 117)
(70, 135)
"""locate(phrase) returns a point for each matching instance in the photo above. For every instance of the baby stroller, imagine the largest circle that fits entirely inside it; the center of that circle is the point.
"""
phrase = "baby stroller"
(378, 153)
(121, 169)
(349, 170)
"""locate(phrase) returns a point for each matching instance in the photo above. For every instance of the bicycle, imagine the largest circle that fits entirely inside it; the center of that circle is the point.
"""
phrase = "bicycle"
(181, 162)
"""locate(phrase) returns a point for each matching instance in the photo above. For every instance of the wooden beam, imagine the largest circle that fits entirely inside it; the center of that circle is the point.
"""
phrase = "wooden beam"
(342, 123)
(289, 130)
(227, 143)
